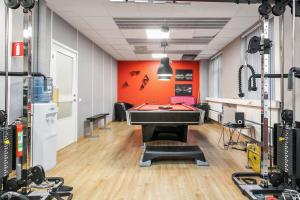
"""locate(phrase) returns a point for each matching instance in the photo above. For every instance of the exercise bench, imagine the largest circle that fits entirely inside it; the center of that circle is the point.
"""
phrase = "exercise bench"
(94, 119)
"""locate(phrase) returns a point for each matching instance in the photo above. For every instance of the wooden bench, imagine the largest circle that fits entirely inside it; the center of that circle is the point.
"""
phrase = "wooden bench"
(94, 119)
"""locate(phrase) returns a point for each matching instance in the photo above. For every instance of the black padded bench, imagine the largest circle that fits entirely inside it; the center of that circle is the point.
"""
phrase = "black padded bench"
(94, 119)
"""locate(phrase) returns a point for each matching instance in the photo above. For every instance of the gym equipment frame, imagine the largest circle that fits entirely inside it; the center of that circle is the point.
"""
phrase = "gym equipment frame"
(30, 182)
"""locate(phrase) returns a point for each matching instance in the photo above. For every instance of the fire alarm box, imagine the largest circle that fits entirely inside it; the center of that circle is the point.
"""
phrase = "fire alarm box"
(18, 49)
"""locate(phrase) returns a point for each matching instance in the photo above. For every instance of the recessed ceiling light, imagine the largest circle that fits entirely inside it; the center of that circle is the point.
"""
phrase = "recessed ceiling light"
(117, 1)
(159, 55)
(157, 34)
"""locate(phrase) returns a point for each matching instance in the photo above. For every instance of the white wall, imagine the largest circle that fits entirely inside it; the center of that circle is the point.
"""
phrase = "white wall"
(288, 60)
(16, 83)
(204, 65)
(97, 78)
(2, 50)
(232, 61)
(231, 56)
(97, 73)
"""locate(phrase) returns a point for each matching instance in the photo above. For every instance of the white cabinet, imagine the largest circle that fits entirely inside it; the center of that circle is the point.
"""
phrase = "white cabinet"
(44, 136)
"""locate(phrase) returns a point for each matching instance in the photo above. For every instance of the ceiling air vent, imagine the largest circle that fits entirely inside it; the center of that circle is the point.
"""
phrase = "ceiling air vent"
(188, 57)
(172, 23)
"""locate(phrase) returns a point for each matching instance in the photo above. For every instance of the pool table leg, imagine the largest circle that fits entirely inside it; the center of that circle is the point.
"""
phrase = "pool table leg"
(183, 130)
(143, 162)
(147, 132)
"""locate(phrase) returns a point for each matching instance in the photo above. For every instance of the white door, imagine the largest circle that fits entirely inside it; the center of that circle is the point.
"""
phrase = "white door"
(64, 73)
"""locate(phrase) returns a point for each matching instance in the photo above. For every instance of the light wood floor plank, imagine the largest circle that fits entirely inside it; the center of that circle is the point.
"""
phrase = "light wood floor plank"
(108, 168)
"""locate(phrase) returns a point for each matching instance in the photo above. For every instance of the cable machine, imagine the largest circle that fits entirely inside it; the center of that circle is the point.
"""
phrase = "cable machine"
(286, 142)
(30, 181)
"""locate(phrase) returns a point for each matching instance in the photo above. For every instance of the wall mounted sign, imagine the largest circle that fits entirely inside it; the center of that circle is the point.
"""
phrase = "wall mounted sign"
(18, 49)
(184, 75)
(183, 89)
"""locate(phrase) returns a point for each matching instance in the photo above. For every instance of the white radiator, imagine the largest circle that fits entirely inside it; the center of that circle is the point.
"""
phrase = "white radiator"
(214, 115)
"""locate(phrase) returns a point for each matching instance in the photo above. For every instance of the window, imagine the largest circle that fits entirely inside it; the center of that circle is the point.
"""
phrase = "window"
(255, 61)
(215, 77)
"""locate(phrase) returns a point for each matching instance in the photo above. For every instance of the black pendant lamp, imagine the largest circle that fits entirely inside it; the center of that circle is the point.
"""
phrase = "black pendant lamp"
(164, 68)
(164, 71)
(164, 78)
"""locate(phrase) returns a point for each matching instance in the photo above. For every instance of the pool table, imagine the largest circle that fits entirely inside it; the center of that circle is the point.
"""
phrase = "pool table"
(167, 122)
(164, 122)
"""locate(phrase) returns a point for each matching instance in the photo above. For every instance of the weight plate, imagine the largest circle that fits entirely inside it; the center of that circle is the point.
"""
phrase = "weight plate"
(278, 9)
(265, 8)
(13, 4)
(27, 4)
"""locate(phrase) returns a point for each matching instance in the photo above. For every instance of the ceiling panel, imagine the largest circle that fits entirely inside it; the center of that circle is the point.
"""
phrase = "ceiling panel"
(241, 22)
(205, 9)
(167, 51)
(205, 32)
(193, 41)
(101, 23)
(77, 22)
(70, 5)
(172, 47)
(123, 10)
(134, 33)
(93, 35)
(230, 32)
(125, 53)
(113, 41)
(209, 52)
(92, 12)
(110, 33)
(155, 10)
(247, 11)
(123, 47)
(66, 14)
(186, 47)
(144, 57)
(181, 33)
(94, 18)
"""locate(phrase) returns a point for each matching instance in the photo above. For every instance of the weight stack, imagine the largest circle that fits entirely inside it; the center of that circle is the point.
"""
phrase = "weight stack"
(6, 146)
(288, 151)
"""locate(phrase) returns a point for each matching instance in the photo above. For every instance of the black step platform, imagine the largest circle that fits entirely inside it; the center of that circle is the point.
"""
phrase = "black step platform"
(185, 152)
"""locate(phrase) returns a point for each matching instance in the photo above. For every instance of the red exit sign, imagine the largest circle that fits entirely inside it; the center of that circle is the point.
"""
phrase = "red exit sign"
(18, 49)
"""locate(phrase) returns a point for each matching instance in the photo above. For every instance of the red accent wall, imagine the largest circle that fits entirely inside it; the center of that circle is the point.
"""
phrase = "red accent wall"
(155, 91)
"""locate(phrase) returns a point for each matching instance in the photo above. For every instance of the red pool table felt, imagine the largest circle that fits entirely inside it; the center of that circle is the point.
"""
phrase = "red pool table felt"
(176, 107)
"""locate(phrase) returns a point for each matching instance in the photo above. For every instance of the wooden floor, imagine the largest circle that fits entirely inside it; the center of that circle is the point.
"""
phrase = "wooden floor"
(108, 168)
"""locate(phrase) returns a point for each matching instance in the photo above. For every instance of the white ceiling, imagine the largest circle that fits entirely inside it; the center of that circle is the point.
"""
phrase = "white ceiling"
(94, 18)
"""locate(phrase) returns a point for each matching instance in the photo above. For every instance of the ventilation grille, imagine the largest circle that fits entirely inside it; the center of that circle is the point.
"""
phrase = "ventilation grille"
(173, 23)
(188, 57)
(167, 51)
(192, 41)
